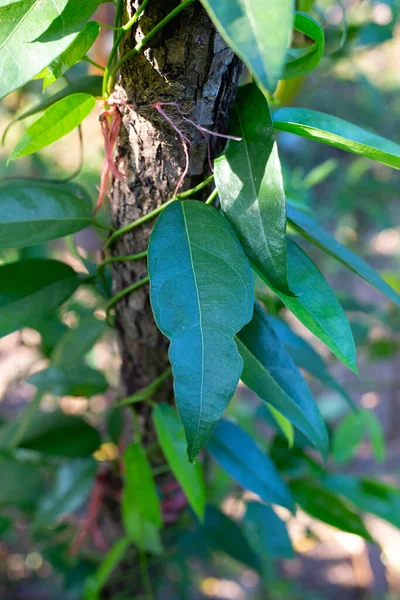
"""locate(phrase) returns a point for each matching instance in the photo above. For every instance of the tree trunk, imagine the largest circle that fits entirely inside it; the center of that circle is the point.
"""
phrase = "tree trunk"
(187, 63)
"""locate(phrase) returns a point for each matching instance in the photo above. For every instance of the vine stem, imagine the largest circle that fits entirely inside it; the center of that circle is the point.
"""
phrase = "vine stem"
(157, 211)
(143, 42)
(122, 293)
(145, 575)
(113, 259)
(144, 394)
(212, 196)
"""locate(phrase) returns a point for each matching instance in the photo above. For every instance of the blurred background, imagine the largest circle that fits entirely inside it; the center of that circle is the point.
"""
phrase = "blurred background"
(354, 198)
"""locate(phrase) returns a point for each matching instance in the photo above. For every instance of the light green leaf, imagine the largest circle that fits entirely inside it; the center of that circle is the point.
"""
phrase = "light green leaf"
(32, 212)
(141, 511)
(94, 584)
(258, 31)
(21, 58)
(271, 374)
(309, 229)
(283, 424)
(338, 133)
(171, 437)
(72, 19)
(77, 342)
(71, 488)
(351, 432)
(306, 59)
(250, 186)
(73, 54)
(32, 288)
(326, 506)
(202, 294)
(315, 305)
(58, 120)
(237, 453)
(266, 532)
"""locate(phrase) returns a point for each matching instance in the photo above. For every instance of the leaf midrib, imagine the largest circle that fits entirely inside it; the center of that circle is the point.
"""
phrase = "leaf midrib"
(4, 44)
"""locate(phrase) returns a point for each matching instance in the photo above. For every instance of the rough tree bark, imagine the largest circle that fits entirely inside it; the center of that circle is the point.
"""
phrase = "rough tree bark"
(187, 63)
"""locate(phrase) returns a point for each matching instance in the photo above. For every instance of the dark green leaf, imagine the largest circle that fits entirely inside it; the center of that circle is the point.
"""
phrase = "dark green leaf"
(71, 488)
(32, 288)
(327, 507)
(77, 380)
(309, 229)
(224, 535)
(237, 453)
(250, 186)
(58, 120)
(21, 482)
(21, 58)
(315, 305)
(73, 54)
(202, 294)
(376, 497)
(266, 532)
(306, 59)
(271, 374)
(257, 31)
(34, 212)
(171, 437)
(338, 133)
(77, 342)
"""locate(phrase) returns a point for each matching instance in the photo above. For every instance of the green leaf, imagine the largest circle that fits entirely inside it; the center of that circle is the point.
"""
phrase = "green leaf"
(72, 19)
(306, 357)
(202, 294)
(309, 229)
(73, 54)
(257, 31)
(283, 424)
(21, 58)
(34, 212)
(171, 437)
(21, 482)
(94, 584)
(141, 511)
(224, 535)
(272, 375)
(32, 288)
(77, 342)
(58, 120)
(326, 506)
(71, 488)
(338, 133)
(266, 532)
(237, 453)
(376, 497)
(315, 305)
(250, 186)
(351, 432)
(77, 380)
(306, 59)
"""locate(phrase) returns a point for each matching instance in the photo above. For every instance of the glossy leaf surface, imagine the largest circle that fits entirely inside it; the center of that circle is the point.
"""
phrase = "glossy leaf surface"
(336, 132)
(272, 375)
(315, 305)
(34, 212)
(313, 232)
(171, 436)
(258, 31)
(201, 291)
(32, 288)
(237, 453)
(250, 186)
(72, 19)
(58, 120)
(306, 59)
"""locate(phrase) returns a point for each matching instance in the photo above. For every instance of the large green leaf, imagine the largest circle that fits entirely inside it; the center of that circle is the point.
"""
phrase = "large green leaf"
(266, 532)
(77, 342)
(73, 54)
(21, 482)
(338, 133)
(258, 31)
(327, 507)
(376, 497)
(73, 481)
(315, 305)
(237, 453)
(141, 511)
(171, 437)
(202, 294)
(58, 120)
(34, 212)
(21, 58)
(75, 380)
(32, 288)
(309, 229)
(303, 60)
(72, 19)
(250, 186)
(272, 375)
